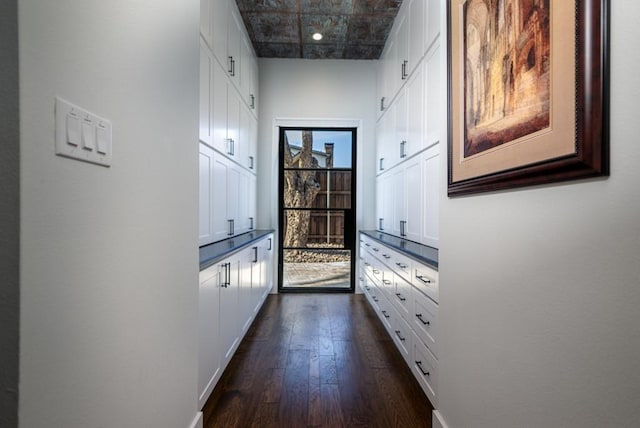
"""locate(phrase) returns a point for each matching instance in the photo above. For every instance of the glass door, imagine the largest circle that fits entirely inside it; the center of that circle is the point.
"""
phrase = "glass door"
(317, 209)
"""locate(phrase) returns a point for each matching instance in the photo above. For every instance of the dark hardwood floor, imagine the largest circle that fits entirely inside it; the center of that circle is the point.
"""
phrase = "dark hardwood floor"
(317, 360)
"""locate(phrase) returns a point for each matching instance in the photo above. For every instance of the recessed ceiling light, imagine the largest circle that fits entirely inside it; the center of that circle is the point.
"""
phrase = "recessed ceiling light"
(317, 36)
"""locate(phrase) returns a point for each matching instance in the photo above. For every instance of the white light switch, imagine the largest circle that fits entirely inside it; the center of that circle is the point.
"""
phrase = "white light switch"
(73, 129)
(88, 135)
(82, 135)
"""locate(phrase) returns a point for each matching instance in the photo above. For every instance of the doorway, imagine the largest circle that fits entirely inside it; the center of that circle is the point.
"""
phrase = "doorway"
(317, 182)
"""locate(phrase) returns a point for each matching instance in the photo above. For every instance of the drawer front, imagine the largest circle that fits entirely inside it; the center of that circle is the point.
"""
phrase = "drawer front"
(425, 321)
(424, 366)
(426, 281)
(403, 337)
(403, 297)
(402, 266)
(386, 314)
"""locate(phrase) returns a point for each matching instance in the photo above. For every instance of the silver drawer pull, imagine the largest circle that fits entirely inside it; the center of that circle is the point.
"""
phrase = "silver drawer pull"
(424, 279)
(402, 339)
(419, 316)
(376, 249)
(402, 299)
(386, 282)
(386, 256)
(419, 364)
(376, 271)
(401, 265)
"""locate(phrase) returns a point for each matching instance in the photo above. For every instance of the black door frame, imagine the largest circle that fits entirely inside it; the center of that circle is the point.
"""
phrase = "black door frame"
(349, 221)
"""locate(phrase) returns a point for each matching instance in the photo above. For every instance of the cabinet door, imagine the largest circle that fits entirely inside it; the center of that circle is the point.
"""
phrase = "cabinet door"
(234, 61)
(233, 198)
(388, 203)
(219, 108)
(246, 55)
(397, 189)
(253, 144)
(400, 149)
(413, 199)
(433, 22)
(430, 186)
(206, 77)
(233, 148)
(267, 266)
(205, 21)
(402, 42)
(208, 332)
(242, 223)
(245, 297)
(252, 201)
(415, 112)
(391, 69)
(243, 154)
(229, 321)
(434, 108)
(380, 90)
(219, 28)
(416, 11)
(220, 195)
(380, 220)
(206, 196)
(255, 90)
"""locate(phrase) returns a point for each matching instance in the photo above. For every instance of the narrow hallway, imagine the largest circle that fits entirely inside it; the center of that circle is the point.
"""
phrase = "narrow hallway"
(320, 360)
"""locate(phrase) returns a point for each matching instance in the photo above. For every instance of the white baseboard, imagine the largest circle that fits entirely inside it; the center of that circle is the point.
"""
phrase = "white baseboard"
(438, 420)
(197, 421)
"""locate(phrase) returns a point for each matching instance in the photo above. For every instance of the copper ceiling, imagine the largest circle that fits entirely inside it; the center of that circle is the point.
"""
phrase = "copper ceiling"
(352, 29)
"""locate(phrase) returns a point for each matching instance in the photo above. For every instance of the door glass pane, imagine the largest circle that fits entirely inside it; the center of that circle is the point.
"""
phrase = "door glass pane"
(317, 189)
(329, 149)
(317, 268)
(324, 229)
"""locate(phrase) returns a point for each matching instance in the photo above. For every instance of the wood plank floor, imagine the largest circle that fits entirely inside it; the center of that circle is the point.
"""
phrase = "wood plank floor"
(317, 360)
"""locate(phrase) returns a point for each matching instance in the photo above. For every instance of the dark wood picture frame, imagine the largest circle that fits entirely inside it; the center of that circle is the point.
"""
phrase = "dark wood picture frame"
(591, 156)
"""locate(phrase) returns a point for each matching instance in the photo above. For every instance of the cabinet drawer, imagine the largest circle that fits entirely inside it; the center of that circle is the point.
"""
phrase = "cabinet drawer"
(403, 297)
(425, 321)
(403, 337)
(402, 266)
(424, 366)
(426, 281)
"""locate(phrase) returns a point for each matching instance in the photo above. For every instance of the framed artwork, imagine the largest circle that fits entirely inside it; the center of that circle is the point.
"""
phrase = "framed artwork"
(528, 91)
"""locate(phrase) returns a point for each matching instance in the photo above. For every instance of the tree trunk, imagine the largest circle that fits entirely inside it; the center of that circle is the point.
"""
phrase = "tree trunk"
(301, 188)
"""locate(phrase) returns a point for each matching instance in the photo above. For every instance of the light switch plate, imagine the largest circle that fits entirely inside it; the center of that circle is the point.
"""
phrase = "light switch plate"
(82, 135)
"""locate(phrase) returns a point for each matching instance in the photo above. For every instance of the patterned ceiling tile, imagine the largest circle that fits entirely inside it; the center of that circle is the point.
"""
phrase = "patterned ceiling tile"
(332, 27)
(323, 51)
(268, 5)
(274, 27)
(332, 7)
(369, 29)
(363, 51)
(277, 50)
(376, 6)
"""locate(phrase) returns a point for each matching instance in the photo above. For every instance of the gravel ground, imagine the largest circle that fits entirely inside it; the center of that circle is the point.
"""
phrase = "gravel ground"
(317, 256)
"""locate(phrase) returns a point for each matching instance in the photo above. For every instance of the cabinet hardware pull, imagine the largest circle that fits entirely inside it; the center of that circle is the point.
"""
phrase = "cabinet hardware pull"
(386, 315)
(367, 264)
(250, 223)
(402, 299)
(368, 245)
(386, 256)
(403, 146)
(376, 249)
(381, 164)
(401, 265)
(253, 101)
(269, 245)
(419, 316)
(376, 271)
(382, 100)
(230, 228)
(424, 279)
(233, 66)
(250, 162)
(402, 70)
(419, 364)
(375, 299)
(380, 224)
(386, 282)
(230, 70)
(402, 339)
(255, 254)
(403, 225)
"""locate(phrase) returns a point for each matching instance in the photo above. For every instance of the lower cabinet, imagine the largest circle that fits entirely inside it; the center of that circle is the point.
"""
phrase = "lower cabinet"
(404, 294)
(232, 292)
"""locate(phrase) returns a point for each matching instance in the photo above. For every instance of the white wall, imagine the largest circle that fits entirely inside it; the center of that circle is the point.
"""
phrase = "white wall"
(540, 287)
(318, 89)
(109, 260)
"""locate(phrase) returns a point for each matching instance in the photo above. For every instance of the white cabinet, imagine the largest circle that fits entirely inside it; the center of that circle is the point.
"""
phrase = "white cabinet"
(416, 39)
(206, 94)
(219, 28)
(401, 297)
(431, 197)
(415, 113)
(433, 96)
(412, 200)
(209, 368)
(231, 292)
(219, 109)
(206, 228)
(234, 47)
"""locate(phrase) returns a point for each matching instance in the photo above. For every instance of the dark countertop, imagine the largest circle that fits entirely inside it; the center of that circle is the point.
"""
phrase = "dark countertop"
(213, 253)
(419, 252)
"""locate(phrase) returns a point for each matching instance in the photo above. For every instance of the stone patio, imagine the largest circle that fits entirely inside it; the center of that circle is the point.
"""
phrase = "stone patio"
(331, 274)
